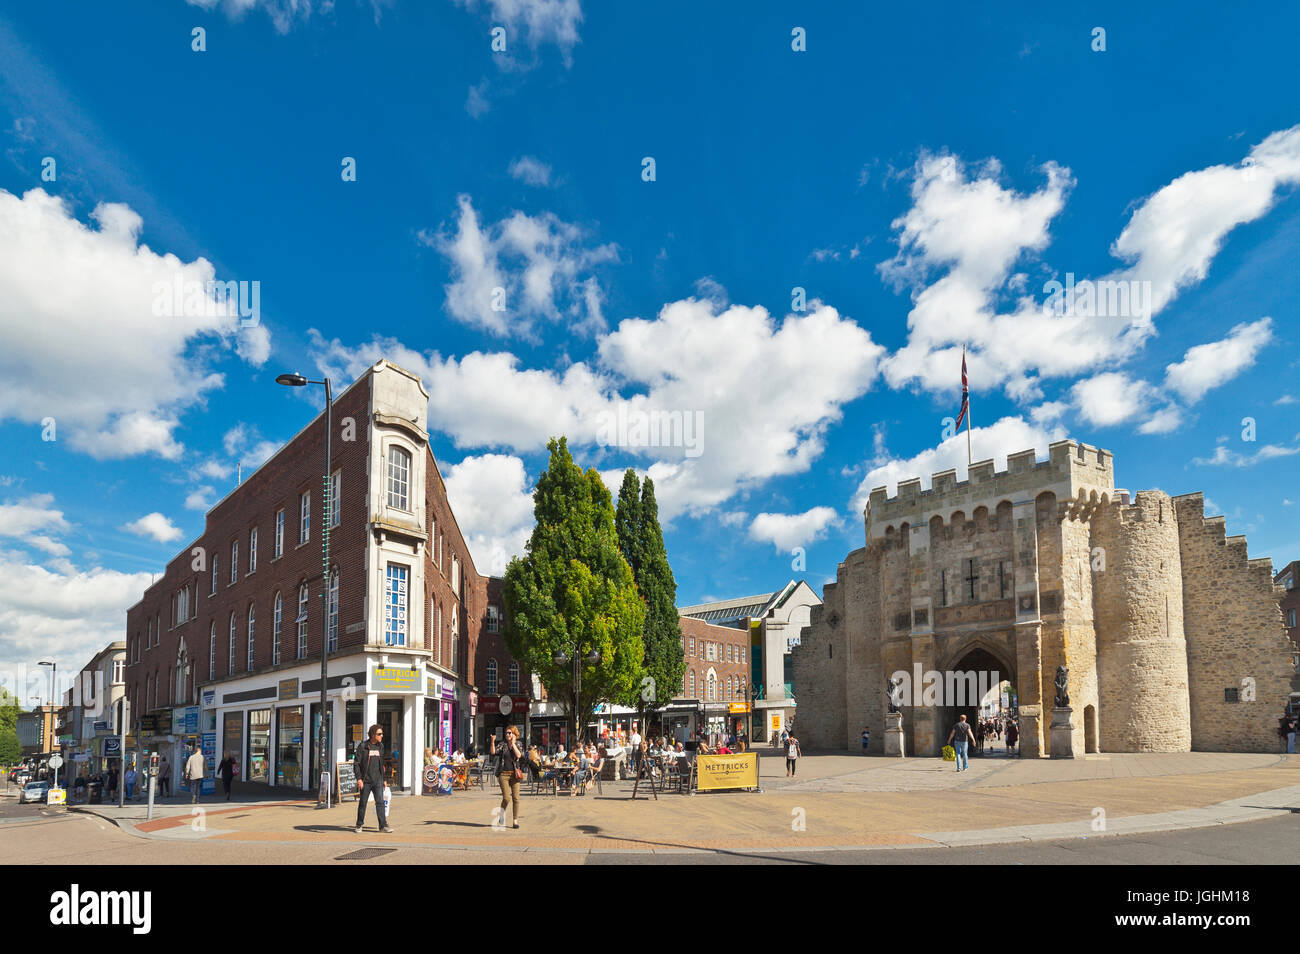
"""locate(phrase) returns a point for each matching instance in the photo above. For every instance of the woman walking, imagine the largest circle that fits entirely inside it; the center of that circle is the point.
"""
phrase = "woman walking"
(510, 773)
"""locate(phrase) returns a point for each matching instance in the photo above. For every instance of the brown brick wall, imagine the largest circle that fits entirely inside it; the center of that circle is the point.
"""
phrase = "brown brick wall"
(698, 663)
(277, 483)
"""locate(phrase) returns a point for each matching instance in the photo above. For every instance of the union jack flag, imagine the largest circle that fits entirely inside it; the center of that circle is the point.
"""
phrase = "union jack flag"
(965, 392)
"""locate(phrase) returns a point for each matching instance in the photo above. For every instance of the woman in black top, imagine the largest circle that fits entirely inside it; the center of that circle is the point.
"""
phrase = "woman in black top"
(508, 772)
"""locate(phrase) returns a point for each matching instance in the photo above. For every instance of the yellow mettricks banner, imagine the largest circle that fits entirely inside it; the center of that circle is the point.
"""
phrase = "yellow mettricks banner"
(715, 772)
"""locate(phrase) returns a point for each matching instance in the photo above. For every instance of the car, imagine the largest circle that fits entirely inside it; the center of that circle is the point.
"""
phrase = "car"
(34, 792)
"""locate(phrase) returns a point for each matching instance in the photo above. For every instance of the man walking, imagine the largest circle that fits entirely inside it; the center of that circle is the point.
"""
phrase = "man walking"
(957, 738)
(1013, 735)
(866, 739)
(194, 769)
(165, 776)
(369, 766)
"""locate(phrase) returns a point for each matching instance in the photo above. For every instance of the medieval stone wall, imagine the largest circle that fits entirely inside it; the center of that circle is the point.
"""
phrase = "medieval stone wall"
(1153, 611)
(1236, 636)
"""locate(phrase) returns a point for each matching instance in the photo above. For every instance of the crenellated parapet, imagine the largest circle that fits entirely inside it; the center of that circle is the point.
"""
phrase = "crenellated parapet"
(1080, 475)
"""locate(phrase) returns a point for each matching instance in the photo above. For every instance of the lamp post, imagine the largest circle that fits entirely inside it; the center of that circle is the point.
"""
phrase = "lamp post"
(54, 668)
(298, 381)
(562, 658)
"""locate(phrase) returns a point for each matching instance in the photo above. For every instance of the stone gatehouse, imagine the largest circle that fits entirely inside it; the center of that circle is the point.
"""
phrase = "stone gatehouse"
(1173, 637)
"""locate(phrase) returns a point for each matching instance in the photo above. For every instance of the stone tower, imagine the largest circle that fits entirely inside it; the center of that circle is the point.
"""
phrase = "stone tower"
(1042, 565)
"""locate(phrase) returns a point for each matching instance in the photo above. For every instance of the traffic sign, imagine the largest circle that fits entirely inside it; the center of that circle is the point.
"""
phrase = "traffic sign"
(55, 762)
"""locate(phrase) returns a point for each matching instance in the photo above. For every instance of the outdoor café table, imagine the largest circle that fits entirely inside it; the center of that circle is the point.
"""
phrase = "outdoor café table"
(562, 770)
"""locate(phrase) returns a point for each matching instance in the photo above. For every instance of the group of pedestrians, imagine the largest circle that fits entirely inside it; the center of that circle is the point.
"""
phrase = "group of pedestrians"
(963, 736)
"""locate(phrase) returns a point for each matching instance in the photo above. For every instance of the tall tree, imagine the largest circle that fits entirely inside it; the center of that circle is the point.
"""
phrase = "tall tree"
(572, 592)
(664, 663)
(627, 521)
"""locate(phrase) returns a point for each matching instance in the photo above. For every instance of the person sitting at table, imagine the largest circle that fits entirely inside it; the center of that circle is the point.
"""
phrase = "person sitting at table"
(457, 757)
(579, 777)
(429, 757)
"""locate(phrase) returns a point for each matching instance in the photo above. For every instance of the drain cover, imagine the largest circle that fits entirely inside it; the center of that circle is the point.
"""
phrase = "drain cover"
(365, 854)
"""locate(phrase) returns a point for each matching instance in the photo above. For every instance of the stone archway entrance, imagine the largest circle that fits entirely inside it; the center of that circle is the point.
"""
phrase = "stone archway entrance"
(991, 669)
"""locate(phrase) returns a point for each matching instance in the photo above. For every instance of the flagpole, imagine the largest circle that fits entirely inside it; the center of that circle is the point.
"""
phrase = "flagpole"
(968, 454)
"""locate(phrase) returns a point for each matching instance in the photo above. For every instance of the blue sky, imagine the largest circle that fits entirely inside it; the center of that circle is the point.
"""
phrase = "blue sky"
(921, 179)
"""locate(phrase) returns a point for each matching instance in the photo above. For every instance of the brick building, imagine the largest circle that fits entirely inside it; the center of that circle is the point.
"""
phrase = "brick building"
(770, 624)
(225, 646)
(717, 674)
(1172, 636)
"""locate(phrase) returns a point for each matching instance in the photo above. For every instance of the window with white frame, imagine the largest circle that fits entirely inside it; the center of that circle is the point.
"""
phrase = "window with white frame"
(1290, 619)
(183, 604)
(455, 638)
(333, 624)
(692, 646)
(119, 669)
(336, 496)
(216, 558)
(157, 629)
(304, 517)
(493, 619)
(252, 621)
(713, 687)
(395, 605)
(455, 574)
(302, 621)
(279, 532)
(692, 683)
(399, 478)
(514, 676)
(252, 550)
(212, 652)
(230, 663)
(234, 561)
(277, 622)
(439, 635)
(491, 676)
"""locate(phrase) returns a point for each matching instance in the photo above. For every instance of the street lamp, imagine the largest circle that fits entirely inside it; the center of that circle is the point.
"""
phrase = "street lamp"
(298, 381)
(54, 668)
(561, 658)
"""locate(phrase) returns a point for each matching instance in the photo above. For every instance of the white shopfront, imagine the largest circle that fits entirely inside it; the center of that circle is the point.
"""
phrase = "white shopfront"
(270, 722)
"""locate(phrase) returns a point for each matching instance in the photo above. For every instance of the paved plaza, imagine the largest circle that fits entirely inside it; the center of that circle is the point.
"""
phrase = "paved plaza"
(837, 802)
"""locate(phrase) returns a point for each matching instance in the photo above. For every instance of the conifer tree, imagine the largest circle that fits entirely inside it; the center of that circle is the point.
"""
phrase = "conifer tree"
(642, 541)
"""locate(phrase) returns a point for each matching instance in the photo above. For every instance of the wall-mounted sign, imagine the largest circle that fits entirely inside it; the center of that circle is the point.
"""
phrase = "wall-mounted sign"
(503, 705)
(209, 698)
(432, 686)
(392, 680)
(288, 689)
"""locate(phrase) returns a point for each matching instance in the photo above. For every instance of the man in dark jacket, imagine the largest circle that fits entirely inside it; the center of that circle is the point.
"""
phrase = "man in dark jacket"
(369, 766)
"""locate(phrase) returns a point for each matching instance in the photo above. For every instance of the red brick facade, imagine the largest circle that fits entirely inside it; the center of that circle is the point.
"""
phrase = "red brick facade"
(445, 624)
(722, 649)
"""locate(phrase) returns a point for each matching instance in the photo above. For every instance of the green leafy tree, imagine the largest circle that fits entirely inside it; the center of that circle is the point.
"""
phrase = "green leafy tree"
(572, 592)
(10, 750)
(642, 541)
